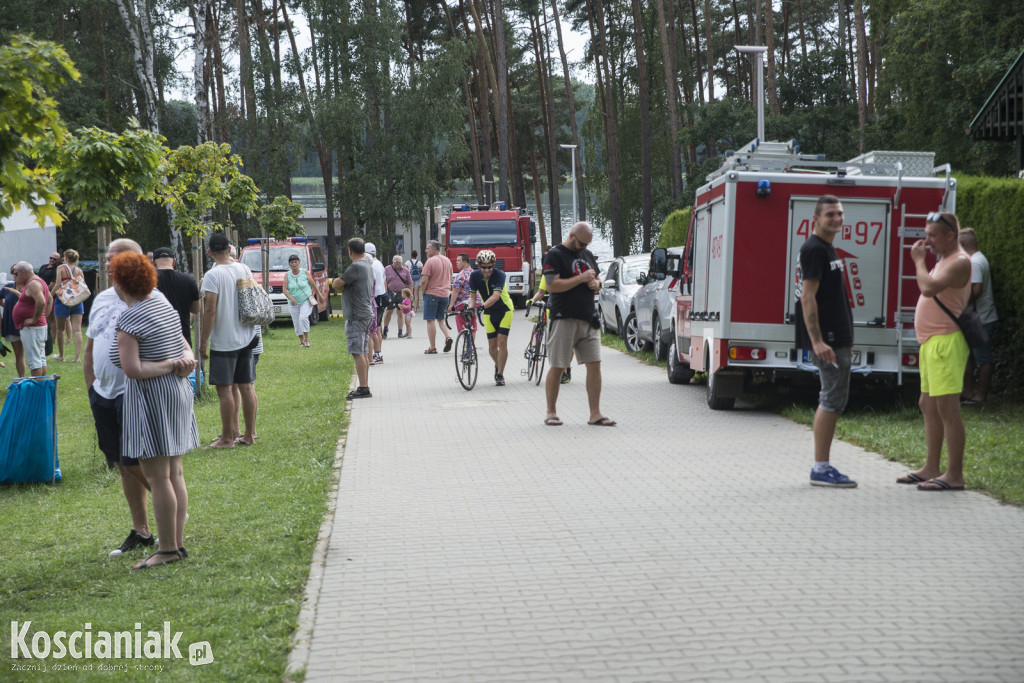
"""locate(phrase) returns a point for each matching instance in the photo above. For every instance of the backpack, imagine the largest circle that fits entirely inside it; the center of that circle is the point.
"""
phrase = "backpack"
(414, 269)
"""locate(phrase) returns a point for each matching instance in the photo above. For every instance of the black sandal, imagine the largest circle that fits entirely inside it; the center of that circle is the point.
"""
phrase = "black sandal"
(145, 563)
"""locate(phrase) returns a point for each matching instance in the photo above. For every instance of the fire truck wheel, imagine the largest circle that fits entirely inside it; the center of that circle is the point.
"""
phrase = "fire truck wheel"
(677, 372)
(715, 400)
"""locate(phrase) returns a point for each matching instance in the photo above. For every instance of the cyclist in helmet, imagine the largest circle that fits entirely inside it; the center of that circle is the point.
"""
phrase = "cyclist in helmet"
(489, 284)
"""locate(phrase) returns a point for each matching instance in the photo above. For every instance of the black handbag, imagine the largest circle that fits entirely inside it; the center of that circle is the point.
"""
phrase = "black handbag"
(970, 324)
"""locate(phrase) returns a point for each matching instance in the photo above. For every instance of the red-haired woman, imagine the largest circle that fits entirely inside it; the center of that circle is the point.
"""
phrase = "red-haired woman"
(159, 424)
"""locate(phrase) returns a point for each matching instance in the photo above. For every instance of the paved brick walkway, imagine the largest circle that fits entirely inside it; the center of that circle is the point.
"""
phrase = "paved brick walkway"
(470, 542)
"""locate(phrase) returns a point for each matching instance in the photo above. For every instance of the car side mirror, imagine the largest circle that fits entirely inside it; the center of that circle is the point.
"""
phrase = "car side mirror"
(641, 279)
(609, 284)
(659, 276)
(318, 266)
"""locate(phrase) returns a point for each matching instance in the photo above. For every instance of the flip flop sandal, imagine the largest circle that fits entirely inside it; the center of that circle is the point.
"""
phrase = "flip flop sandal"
(602, 422)
(553, 422)
(430, 351)
(448, 344)
(939, 485)
(146, 565)
(910, 478)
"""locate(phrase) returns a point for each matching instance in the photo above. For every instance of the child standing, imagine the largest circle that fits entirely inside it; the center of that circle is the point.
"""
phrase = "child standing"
(407, 311)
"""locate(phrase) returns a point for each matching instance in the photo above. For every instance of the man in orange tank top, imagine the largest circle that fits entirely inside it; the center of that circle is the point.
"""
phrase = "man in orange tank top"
(944, 351)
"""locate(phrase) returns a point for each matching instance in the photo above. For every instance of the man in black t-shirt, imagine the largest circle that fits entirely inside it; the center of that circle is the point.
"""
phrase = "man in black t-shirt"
(49, 275)
(180, 289)
(571, 278)
(824, 326)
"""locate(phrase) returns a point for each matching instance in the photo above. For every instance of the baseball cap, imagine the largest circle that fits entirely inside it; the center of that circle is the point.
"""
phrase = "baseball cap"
(162, 252)
(371, 248)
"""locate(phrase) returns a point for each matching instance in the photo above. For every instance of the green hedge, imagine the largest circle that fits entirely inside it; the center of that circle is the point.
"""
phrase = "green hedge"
(674, 229)
(994, 207)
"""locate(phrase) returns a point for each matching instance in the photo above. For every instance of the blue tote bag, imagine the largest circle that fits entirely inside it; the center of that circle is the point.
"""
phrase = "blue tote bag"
(28, 432)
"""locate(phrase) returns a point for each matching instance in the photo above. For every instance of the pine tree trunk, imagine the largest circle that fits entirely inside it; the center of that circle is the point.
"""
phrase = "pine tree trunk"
(501, 68)
(581, 204)
(769, 41)
(862, 71)
(668, 64)
(646, 201)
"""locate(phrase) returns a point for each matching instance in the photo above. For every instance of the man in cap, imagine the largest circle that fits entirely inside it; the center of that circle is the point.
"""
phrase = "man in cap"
(180, 289)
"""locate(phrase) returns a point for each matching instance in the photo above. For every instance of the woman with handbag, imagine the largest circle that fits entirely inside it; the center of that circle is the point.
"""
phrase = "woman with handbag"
(69, 291)
(302, 294)
(396, 277)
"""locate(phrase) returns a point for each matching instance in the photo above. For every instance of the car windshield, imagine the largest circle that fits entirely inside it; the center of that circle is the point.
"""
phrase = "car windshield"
(632, 271)
(278, 258)
(493, 233)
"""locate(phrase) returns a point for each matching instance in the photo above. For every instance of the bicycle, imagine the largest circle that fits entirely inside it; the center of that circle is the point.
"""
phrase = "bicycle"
(537, 349)
(467, 362)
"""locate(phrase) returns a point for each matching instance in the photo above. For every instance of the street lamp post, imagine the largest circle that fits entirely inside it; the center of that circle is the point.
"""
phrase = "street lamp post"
(758, 51)
(573, 155)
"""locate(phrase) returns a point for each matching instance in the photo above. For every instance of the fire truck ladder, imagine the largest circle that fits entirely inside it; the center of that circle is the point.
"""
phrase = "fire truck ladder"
(905, 314)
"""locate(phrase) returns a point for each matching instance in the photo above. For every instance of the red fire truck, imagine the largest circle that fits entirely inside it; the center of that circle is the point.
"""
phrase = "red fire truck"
(509, 233)
(735, 314)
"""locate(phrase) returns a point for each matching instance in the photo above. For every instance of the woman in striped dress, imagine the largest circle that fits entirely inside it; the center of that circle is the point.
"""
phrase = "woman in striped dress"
(159, 423)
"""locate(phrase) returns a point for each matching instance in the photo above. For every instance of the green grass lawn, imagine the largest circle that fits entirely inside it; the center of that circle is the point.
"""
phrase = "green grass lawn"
(254, 516)
(880, 422)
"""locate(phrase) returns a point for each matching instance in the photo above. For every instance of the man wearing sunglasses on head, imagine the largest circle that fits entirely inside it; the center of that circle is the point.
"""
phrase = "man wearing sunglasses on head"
(571, 277)
(944, 351)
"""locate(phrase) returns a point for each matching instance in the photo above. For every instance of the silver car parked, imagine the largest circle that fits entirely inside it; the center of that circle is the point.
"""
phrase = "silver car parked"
(617, 290)
(654, 306)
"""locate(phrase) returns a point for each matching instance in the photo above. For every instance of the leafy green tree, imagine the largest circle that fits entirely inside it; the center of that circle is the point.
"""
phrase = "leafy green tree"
(97, 168)
(279, 218)
(205, 186)
(30, 71)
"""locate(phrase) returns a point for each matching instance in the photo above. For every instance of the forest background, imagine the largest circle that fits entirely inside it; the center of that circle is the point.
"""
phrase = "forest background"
(392, 103)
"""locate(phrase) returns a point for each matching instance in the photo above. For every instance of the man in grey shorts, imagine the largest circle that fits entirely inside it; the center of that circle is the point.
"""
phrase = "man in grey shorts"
(824, 326)
(356, 288)
(570, 273)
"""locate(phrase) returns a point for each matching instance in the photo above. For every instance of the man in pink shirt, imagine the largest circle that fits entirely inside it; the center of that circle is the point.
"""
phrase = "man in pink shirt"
(436, 280)
(944, 351)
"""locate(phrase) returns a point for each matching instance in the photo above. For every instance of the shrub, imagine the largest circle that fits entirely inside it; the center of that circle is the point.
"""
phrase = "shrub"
(674, 229)
(994, 207)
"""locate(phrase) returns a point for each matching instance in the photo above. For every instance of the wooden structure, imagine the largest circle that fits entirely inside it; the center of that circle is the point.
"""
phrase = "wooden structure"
(1001, 119)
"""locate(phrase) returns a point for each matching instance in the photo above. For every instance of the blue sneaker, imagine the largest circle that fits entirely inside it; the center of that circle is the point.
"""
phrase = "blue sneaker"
(832, 477)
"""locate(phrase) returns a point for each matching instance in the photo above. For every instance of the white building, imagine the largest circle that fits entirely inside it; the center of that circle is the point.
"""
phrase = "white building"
(407, 237)
(23, 240)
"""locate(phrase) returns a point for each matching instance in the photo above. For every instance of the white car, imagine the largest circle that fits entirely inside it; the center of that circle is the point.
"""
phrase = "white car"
(617, 290)
(654, 305)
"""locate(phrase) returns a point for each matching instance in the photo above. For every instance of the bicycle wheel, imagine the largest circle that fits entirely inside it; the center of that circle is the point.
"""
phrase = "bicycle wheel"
(531, 357)
(540, 353)
(466, 362)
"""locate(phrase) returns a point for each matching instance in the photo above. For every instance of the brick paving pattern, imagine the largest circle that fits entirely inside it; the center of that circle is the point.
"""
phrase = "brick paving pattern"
(469, 542)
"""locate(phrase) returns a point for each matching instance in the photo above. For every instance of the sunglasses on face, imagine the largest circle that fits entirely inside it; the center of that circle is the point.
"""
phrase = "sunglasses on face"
(936, 217)
(486, 267)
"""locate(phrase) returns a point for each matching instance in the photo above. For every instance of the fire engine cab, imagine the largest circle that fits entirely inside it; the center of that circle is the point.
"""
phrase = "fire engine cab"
(735, 314)
(275, 254)
(509, 233)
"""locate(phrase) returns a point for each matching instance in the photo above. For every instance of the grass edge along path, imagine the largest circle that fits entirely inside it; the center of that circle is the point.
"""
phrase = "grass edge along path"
(254, 518)
(994, 456)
